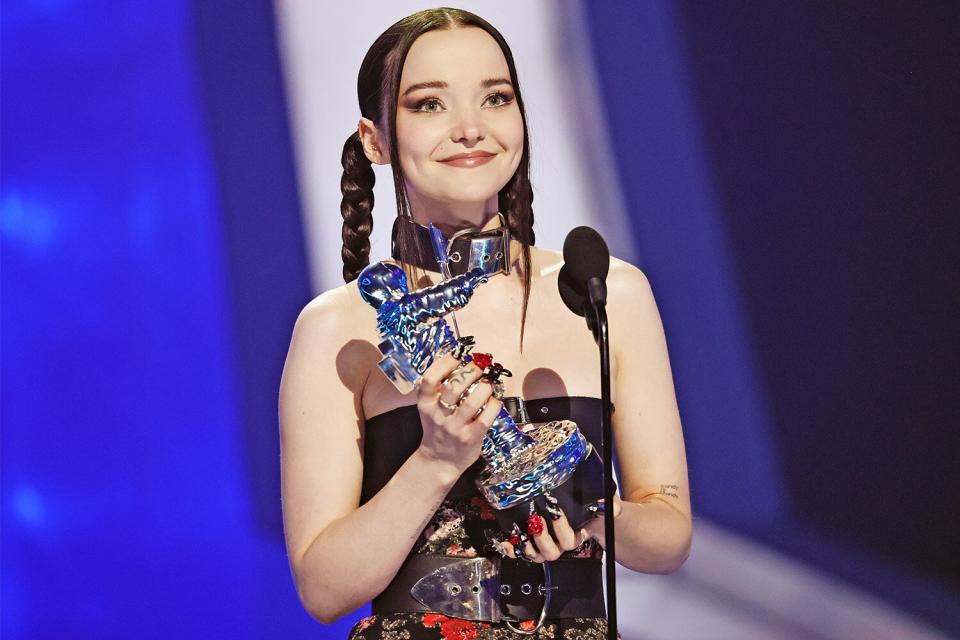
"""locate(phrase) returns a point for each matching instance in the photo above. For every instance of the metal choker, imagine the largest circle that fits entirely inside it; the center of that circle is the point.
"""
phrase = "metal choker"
(468, 249)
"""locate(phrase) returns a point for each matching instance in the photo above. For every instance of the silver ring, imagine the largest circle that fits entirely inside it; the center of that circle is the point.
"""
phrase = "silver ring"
(468, 391)
(479, 411)
(520, 551)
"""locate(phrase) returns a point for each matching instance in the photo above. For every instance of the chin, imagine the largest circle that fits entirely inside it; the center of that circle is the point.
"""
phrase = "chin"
(470, 194)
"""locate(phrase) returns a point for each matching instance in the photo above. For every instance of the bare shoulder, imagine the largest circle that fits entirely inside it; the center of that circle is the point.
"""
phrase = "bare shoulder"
(623, 278)
(626, 281)
(332, 309)
(631, 306)
(336, 325)
(545, 262)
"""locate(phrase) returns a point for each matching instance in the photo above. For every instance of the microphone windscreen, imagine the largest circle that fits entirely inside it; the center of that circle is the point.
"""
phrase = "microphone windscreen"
(585, 256)
(573, 296)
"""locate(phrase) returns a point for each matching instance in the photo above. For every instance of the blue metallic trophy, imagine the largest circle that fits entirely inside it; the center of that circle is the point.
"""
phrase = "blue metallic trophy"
(520, 465)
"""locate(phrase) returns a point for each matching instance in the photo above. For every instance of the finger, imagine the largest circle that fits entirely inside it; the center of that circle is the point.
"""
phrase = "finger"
(472, 403)
(435, 374)
(617, 505)
(489, 413)
(582, 536)
(452, 389)
(546, 545)
(594, 529)
(565, 535)
(532, 554)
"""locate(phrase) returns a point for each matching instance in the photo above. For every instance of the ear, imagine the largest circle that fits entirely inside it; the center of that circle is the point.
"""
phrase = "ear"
(374, 145)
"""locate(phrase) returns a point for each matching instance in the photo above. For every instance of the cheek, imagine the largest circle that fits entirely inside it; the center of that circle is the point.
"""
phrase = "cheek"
(512, 135)
(515, 140)
(414, 142)
(516, 132)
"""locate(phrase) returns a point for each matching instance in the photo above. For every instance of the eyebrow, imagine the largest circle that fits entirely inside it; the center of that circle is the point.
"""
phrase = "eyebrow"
(440, 84)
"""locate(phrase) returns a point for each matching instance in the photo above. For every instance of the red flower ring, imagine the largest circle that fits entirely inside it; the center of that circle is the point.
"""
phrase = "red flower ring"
(534, 524)
(483, 360)
(515, 540)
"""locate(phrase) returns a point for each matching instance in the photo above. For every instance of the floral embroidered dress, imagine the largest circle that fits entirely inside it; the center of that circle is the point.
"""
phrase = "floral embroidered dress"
(459, 527)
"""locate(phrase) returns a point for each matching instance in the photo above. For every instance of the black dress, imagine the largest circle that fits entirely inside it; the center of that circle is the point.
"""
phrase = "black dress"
(459, 526)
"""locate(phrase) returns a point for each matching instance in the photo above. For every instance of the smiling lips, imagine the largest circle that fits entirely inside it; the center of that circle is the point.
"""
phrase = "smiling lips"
(469, 160)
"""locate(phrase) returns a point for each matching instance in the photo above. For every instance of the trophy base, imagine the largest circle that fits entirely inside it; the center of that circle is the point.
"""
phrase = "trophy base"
(558, 449)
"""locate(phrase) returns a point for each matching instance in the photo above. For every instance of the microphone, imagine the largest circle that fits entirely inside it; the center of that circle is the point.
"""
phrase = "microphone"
(583, 288)
(582, 279)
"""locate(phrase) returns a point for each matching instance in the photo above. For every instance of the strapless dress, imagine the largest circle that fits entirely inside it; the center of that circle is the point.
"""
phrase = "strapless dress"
(462, 525)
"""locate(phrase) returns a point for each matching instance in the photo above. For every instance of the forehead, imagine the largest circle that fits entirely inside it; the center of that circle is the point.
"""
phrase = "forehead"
(467, 54)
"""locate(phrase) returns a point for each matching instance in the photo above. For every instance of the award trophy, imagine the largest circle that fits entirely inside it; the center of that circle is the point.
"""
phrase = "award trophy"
(519, 466)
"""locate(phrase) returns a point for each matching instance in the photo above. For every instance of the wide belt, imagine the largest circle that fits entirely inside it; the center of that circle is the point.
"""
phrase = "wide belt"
(496, 589)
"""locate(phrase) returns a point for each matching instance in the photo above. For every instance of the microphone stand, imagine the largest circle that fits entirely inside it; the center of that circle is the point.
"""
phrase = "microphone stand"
(597, 290)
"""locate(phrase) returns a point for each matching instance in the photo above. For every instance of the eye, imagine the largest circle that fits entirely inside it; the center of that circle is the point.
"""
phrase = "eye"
(499, 99)
(427, 105)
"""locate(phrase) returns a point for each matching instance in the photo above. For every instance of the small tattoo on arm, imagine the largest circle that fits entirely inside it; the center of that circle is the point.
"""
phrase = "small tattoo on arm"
(670, 490)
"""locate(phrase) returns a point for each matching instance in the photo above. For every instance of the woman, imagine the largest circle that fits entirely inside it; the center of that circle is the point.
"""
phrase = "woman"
(376, 481)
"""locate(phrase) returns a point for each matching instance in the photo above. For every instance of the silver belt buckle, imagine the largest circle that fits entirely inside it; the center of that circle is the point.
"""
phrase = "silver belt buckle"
(470, 589)
(546, 590)
(467, 589)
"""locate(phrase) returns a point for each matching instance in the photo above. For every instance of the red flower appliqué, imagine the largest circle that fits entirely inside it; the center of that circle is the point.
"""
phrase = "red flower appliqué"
(453, 629)
(433, 619)
(528, 625)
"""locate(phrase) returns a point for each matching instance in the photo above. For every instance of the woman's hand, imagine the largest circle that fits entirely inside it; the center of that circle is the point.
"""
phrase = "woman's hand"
(595, 528)
(546, 547)
(456, 408)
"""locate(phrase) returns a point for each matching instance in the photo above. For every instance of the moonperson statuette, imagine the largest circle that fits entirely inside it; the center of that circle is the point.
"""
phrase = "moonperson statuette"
(520, 466)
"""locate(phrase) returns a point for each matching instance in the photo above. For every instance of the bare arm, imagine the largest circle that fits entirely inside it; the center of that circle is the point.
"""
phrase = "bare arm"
(343, 555)
(654, 527)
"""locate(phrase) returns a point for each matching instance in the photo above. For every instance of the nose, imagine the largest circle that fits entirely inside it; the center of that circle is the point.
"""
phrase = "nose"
(468, 128)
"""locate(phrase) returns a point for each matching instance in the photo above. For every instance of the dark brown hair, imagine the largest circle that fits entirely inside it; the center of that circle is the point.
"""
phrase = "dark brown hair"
(378, 88)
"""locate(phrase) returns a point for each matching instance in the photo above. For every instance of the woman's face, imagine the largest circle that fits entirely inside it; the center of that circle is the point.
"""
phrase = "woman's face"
(456, 98)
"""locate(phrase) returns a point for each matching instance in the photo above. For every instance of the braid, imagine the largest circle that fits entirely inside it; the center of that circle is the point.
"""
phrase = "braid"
(356, 207)
(516, 203)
